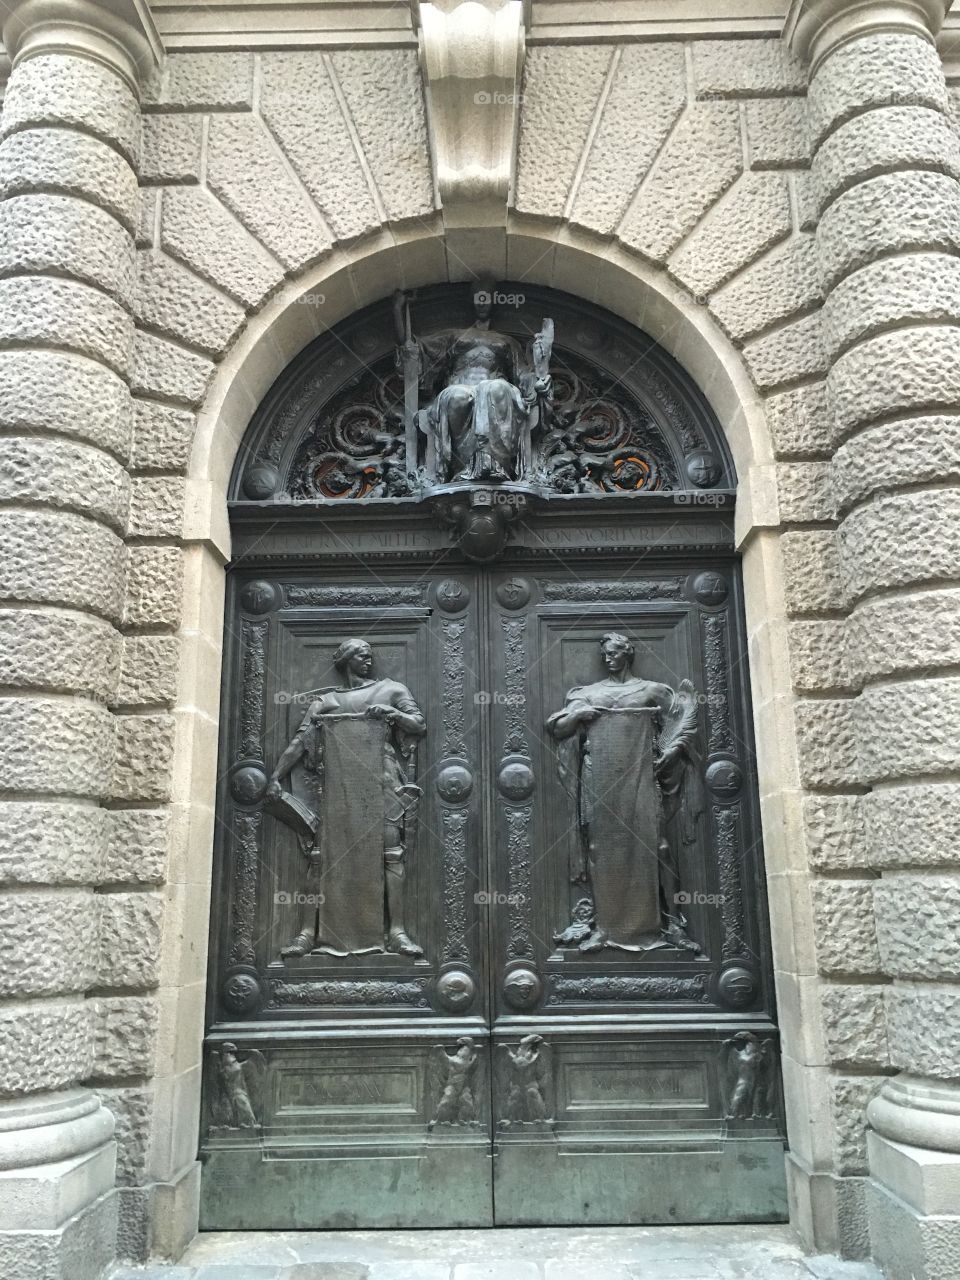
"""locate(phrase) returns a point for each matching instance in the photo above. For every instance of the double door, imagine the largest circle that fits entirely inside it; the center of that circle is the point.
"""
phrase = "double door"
(587, 1034)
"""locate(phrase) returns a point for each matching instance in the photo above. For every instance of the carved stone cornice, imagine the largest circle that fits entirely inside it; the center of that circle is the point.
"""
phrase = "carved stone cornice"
(471, 56)
(814, 28)
(118, 33)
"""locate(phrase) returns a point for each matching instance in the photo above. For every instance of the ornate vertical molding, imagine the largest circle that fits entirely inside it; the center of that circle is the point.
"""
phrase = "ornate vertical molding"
(455, 946)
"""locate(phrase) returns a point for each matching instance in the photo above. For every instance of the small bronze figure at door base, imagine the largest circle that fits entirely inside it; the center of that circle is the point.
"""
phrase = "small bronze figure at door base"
(749, 1071)
(237, 1087)
(456, 1084)
(528, 1084)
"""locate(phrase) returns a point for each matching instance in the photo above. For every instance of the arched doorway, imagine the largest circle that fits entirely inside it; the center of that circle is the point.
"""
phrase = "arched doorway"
(488, 955)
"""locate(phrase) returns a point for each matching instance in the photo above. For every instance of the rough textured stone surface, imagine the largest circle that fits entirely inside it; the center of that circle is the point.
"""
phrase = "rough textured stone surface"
(133, 1111)
(646, 96)
(811, 570)
(29, 965)
(877, 70)
(701, 159)
(787, 355)
(59, 652)
(56, 747)
(780, 285)
(752, 216)
(808, 214)
(909, 728)
(849, 1096)
(843, 922)
(124, 1029)
(246, 171)
(65, 236)
(171, 148)
(879, 141)
(801, 422)
(906, 1240)
(144, 758)
(300, 106)
(47, 842)
(746, 68)
(149, 670)
(382, 90)
(854, 1025)
(893, 212)
(777, 133)
(178, 303)
(914, 826)
(162, 369)
(154, 587)
(149, 217)
(891, 373)
(904, 634)
(198, 230)
(896, 455)
(835, 831)
(827, 743)
(135, 846)
(924, 1029)
(56, 89)
(162, 437)
(44, 1045)
(919, 288)
(805, 492)
(918, 926)
(561, 90)
(818, 659)
(59, 473)
(901, 539)
(128, 953)
(60, 558)
(201, 81)
(61, 313)
(71, 395)
(62, 160)
(156, 507)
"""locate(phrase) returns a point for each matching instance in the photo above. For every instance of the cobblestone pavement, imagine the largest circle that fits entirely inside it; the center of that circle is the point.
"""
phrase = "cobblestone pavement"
(612, 1253)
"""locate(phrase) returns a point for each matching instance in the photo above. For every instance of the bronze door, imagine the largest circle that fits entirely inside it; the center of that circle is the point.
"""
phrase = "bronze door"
(573, 1043)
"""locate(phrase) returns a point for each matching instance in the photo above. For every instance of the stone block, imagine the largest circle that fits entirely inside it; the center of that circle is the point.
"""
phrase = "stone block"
(171, 148)
(162, 437)
(50, 842)
(790, 354)
(895, 455)
(701, 159)
(902, 372)
(811, 569)
(826, 742)
(784, 282)
(31, 962)
(918, 926)
(154, 583)
(81, 1249)
(818, 659)
(384, 96)
(248, 173)
(903, 634)
(777, 133)
(197, 229)
(56, 748)
(60, 558)
(44, 1044)
(928, 1181)
(646, 95)
(562, 85)
(801, 422)
(128, 947)
(805, 492)
(877, 70)
(124, 1029)
(41, 1197)
(73, 164)
(149, 218)
(136, 845)
(156, 507)
(47, 311)
(59, 652)
(844, 926)
(63, 236)
(746, 68)
(885, 140)
(178, 303)
(893, 212)
(144, 757)
(924, 1029)
(835, 832)
(808, 212)
(149, 670)
(913, 826)
(899, 540)
(132, 1108)
(752, 216)
(51, 472)
(854, 1025)
(907, 728)
(162, 369)
(53, 391)
(204, 82)
(79, 93)
(849, 1096)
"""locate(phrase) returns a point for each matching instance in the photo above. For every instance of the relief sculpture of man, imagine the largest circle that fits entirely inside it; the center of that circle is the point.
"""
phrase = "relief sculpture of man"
(626, 751)
(357, 808)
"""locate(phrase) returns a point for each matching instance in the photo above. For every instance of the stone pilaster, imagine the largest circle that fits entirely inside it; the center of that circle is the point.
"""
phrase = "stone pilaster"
(886, 165)
(69, 143)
